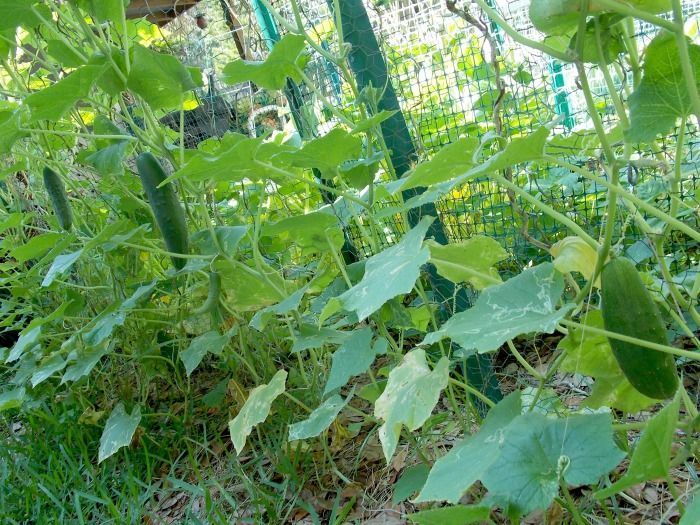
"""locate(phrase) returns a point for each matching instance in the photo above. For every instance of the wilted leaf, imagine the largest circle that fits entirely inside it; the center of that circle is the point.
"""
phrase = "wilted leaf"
(411, 393)
(573, 254)
(255, 409)
(118, 431)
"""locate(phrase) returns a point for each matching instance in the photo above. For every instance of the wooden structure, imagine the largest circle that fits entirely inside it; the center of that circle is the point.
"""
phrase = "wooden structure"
(159, 11)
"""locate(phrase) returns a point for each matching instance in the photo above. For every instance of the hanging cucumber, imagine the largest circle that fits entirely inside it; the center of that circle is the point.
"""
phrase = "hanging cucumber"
(165, 205)
(59, 198)
(629, 309)
(212, 302)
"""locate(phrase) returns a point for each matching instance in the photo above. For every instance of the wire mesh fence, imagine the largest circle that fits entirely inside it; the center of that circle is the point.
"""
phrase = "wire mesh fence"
(454, 76)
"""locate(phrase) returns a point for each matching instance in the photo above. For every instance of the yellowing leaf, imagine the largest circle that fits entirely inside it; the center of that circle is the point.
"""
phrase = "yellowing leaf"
(256, 409)
(573, 254)
(410, 395)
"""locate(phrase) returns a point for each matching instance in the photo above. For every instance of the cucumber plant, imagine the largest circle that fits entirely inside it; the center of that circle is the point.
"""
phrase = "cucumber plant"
(302, 346)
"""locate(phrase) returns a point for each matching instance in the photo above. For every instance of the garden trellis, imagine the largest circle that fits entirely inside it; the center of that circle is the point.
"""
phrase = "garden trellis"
(440, 68)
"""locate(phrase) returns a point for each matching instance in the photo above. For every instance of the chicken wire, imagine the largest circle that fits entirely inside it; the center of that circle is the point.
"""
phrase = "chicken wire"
(439, 66)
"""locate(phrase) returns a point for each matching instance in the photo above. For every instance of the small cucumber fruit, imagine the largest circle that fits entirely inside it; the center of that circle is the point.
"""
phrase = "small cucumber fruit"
(59, 198)
(165, 205)
(629, 309)
(212, 302)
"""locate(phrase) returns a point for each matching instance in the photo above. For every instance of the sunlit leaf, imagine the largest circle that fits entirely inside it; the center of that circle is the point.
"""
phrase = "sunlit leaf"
(54, 101)
(256, 409)
(471, 261)
(327, 152)
(573, 254)
(662, 96)
(450, 161)
(314, 232)
(411, 393)
(282, 63)
(118, 431)
(162, 80)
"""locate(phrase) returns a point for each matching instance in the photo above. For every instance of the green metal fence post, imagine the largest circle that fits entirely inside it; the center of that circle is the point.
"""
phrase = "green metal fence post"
(370, 69)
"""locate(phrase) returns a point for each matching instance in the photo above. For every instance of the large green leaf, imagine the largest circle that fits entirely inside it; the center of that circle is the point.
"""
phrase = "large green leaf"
(282, 63)
(327, 152)
(162, 80)
(590, 354)
(54, 101)
(652, 455)
(352, 358)
(103, 10)
(390, 273)
(518, 151)
(536, 451)
(449, 162)
(314, 232)
(524, 304)
(118, 431)
(236, 160)
(319, 420)
(662, 95)
(411, 393)
(255, 409)
(466, 462)
(22, 13)
(471, 261)
(35, 247)
(248, 289)
(48, 367)
(81, 363)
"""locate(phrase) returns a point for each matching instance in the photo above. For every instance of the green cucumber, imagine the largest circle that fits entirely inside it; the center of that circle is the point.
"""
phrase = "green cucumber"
(212, 302)
(629, 309)
(165, 205)
(59, 198)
